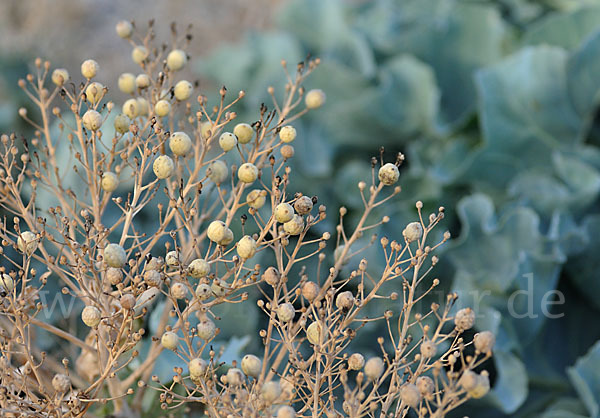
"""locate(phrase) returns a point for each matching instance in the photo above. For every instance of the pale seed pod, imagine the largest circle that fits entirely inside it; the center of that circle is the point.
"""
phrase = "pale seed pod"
(131, 108)
(484, 341)
(89, 69)
(256, 198)
(127, 301)
(91, 316)
(428, 348)
(122, 124)
(176, 60)
(183, 90)
(126, 83)
(179, 291)
(243, 132)
(27, 242)
(162, 108)
(143, 106)
(314, 99)
(410, 395)
(286, 312)
(94, 92)
(481, 388)
(6, 283)
(173, 259)
(284, 212)
(61, 383)
(425, 385)
(345, 300)
(286, 411)
(313, 333)
(468, 380)
(180, 143)
(197, 367)
(270, 391)
(374, 368)
(199, 268)
(139, 54)
(227, 239)
(152, 278)
(109, 182)
(303, 205)
(216, 231)
(295, 226)
(115, 256)
(247, 173)
(60, 76)
(287, 151)
(251, 365)
(464, 319)
(310, 291)
(142, 81)
(227, 141)
(219, 287)
(235, 377)
(413, 232)
(92, 120)
(356, 361)
(114, 275)
(203, 291)
(246, 247)
(124, 29)
(218, 171)
(206, 129)
(163, 167)
(388, 174)
(287, 134)
(169, 340)
(155, 263)
(271, 276)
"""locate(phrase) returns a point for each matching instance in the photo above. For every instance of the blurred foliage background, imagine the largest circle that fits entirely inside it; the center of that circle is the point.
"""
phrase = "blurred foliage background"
(495, 104)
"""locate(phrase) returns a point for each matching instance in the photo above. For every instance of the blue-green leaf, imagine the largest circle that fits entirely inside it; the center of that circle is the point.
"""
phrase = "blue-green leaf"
(586, 379)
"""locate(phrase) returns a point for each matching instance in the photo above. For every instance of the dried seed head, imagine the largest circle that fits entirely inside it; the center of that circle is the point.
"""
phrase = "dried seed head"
(218, 171)
(199, 268)
(287, 151)
(127, 301)
(345, 300)
(256, 198)
(270, 391)
(428, 348)
(155, 263)
(124, 29)
(287, 134)
(169, 340)
(246, 247)
(139, 54)
(27, 242)
(109, 182)
(284, 212)
(142, 81)
(126, 83)
(206, 329)
(163, 167)
(176, 60)
(286, 411)
(310, 291)
(235, 377)
(286, 312)
(219, 287)
(425, 385)
(247, 173)
(115, 256)
(203, 291)
(481, 388)
(295, 226)
(356, 361)
(152, 278)
(216, 231)
(60, 76)
(464, 319)
(374, 368)
(413, 232)
(243, 132)
(6, 283)
(89, 69)
(303, 205)
(180, 143)
(197, 367)
(251, 365)
(91, 316)
(183, 90)
(389, 174)
(271, 276)
(227, 141)
(468, 380)
(484, 341)
(92, 120)
(179, 291)
(314, 99)
(61, 383)
(173, 259)
(313, 333)
(94, 92)
(122, 124)
(410, 395)
(162, 108)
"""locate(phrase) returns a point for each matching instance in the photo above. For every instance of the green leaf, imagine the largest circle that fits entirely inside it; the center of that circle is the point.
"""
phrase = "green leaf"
(565, 408)
(510, 389)
(566, 30)
(584, 376)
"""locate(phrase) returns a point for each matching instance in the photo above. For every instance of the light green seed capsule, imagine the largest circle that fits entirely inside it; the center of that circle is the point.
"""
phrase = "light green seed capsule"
(284, 212)
(287, 134)
(122, 123)
(94, 92)
(139, 54)
(176, 60)
(124, 29)
(126, 83)
(109, 182)
(163, 167)
(243, 132)
(251, 365)
(256, 198)
(217, 171)
(89, 69)
(227, 141)
(169, 340)
(60, 76)
(92, 120)
(183, 90)
(91, 316)
(247, 173)
(206, 329)
(199, 268)
(314, 99)
(27, 242)
(294, 226)
(246, 247)
(162, 108)
(115, 256)
(131, 108)
(142, 81)
(180, 143)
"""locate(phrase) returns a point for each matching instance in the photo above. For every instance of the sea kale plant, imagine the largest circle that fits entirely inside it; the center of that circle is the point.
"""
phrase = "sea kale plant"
(164, 208)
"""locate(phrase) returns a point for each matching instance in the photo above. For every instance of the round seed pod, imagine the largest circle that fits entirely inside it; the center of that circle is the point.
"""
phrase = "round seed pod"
(173, 259)
(183, 90)
(162, 109)
(389, 174)
(163, 167)
(284, 212)
(218, 171)
(374, 368)
(287, 151)
(139, 54)
(6, 283)
(243, 132)
(481, 388)
(199, 268)
(303, 205)
(256, 199)
(313, 333)
(180, 143)
(484, 341)
(413, 232)
(428, 348)
(114, 275)
(227, 239)
(216, 231)
(356, 361)
(61, 383)
(169, 340)
(251, 365)
(89, 69)
(203, 291)
(286, 312)
(109, 182)
(410, 395)
(152, 278)
(227, 141)
(124, 29)
(287, 134)
(247, 173)
(219, 287)
(176, 60)
(142, 81)
(295, 226)
(60, 76)
(286, 411)
(246, 247)
(115, 256)
(155, 263)
(27, 242)
(468, 380)
(345, 300)
(122, 124)
(126, 83)
(143, 106)
(270, 391)
(92, 120)
(314, 99)
(425, 385)
(197, 367)
(179, 291)
(271, 276)
(235, 377)
(131, 108)
(94, 92)
(127, 301)
(91, 316)
(464, 319)
(310, 291)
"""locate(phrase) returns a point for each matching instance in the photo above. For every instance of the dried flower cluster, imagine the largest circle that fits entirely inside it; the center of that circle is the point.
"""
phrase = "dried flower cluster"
(219, 195)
